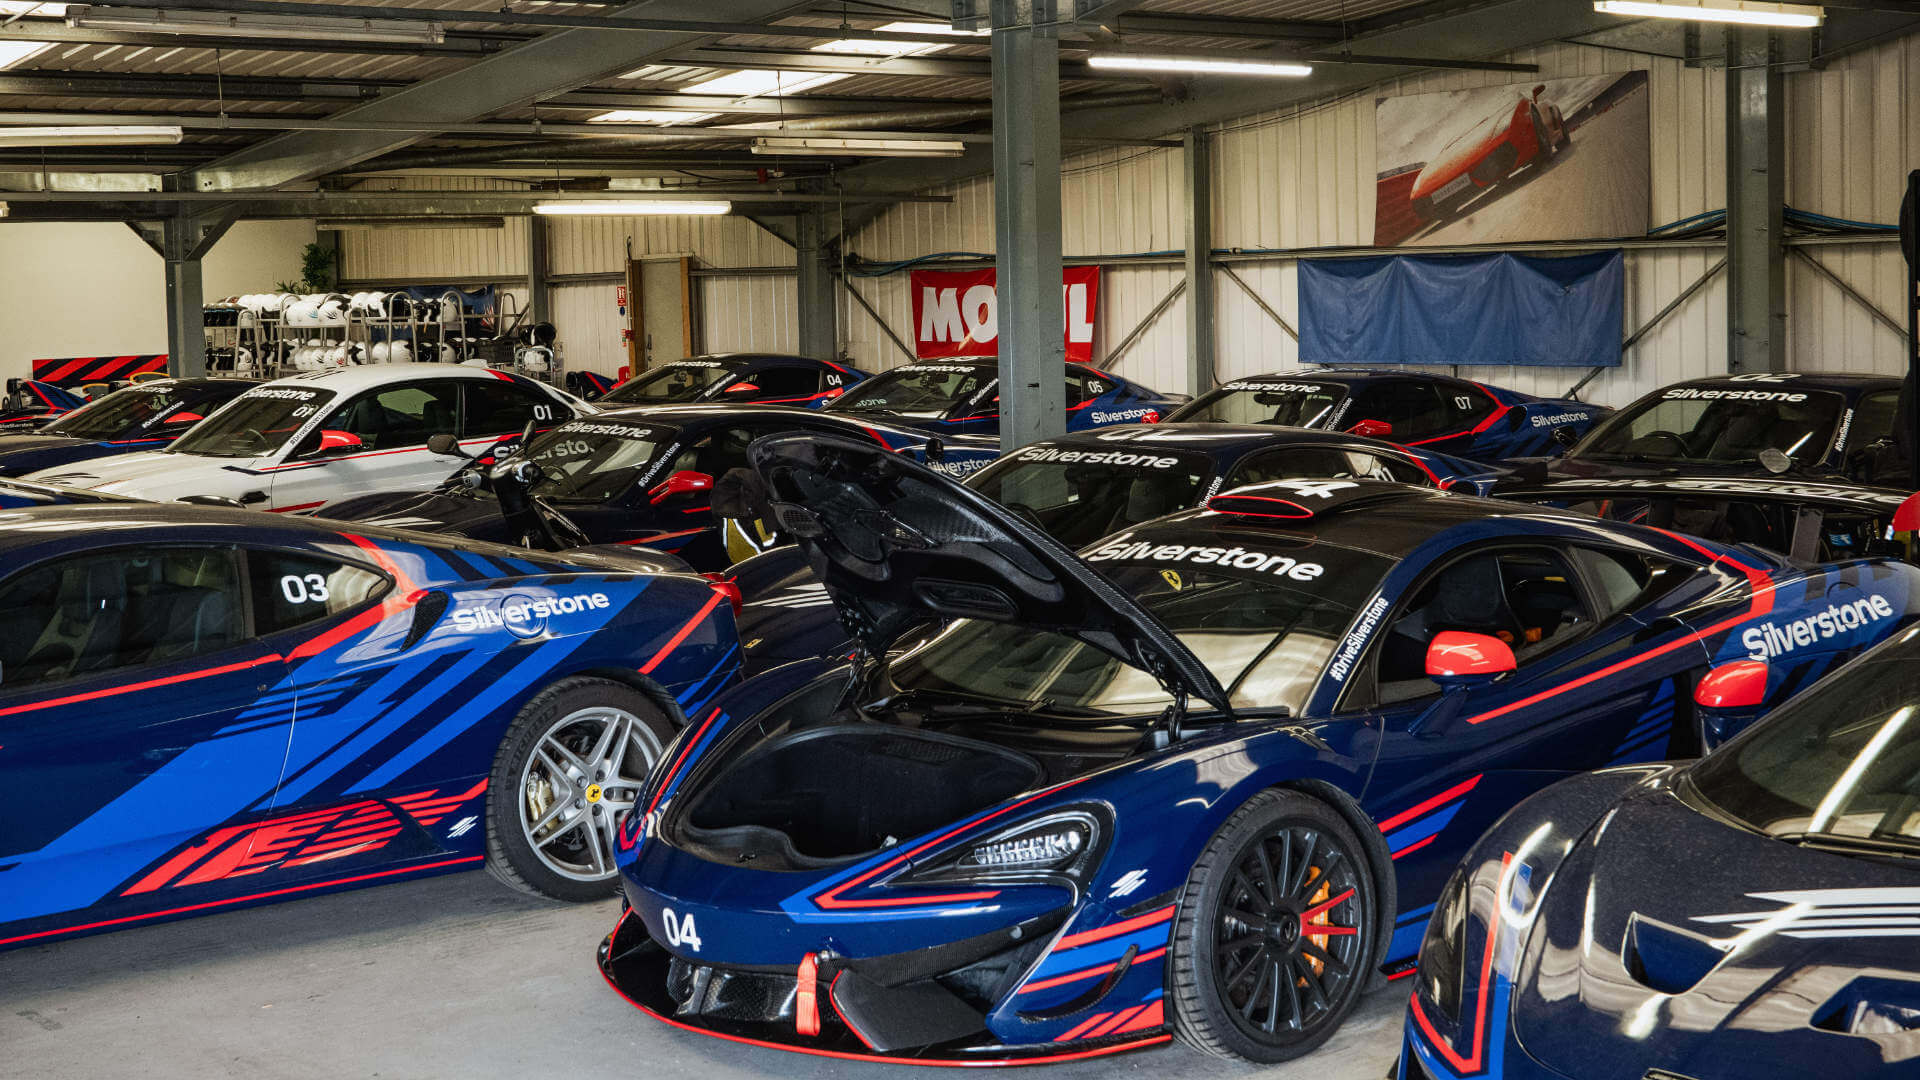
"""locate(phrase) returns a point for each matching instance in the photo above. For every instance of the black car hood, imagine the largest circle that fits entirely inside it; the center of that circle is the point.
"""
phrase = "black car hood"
(896, 543)
(1731, 955)
(424, 511)
(1826, 494)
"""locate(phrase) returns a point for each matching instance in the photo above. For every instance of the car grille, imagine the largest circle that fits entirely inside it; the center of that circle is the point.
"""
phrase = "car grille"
(718, 994)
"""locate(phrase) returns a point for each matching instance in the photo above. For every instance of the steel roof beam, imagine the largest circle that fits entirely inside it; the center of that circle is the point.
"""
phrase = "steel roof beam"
(458, 43)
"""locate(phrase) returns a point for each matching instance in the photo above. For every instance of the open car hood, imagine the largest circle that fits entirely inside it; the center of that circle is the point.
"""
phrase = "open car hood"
(896, 544)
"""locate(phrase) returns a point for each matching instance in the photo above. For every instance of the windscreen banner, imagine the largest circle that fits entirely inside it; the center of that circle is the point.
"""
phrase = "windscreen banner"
(957, 312)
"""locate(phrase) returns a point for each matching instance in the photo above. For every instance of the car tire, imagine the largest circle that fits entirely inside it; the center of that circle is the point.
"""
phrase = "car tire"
(1312, 865)
(571, 763)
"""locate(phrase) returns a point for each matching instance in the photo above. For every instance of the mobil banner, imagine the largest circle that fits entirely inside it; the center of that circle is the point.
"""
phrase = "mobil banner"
(957, 312)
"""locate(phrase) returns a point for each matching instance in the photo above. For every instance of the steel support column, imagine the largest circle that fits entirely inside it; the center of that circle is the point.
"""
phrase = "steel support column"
(1200, 294)
(1026, 224)
(813, 298)
(182, 240)
(539, 301)
(1756, 195)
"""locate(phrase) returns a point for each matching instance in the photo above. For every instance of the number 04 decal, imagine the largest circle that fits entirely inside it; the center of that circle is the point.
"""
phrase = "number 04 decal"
(302, 589)
(680, 932)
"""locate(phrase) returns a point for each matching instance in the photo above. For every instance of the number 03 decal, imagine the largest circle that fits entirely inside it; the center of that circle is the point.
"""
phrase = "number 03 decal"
(303, 589)
(680, 932)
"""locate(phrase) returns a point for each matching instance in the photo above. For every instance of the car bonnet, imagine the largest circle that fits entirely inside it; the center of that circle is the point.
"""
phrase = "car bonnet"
(896, 543)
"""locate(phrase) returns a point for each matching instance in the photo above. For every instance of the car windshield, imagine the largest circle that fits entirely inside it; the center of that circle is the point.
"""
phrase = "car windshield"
(1840, 762)
(1080, 495)
(594, 460)
(1719, 425)
(1265, 634)
(922, 390)
(1292, 404)
(257, 422)
(682, 381)
(120, 412)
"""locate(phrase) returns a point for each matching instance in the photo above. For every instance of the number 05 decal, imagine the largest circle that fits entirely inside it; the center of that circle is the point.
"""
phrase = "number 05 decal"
(680, 932)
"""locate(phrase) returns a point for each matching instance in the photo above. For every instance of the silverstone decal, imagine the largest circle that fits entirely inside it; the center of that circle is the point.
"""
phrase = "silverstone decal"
(1356, 639)
(1705, 393)
(1238, 558)
(522, 615)
(285, 393)
(1771, 639)
(1095, 457)
(1846, 425)
(1144, 415)
(959, 469)
(957, 312)
(694, 364)
(1278, 387)
(607, 427)
(1558, 419)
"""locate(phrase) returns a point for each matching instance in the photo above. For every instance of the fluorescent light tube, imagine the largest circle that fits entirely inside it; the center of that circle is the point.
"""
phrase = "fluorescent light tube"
(760, 82)
(1747, 12)
(663, 117)
(218, 24)
(636, 207)
(860, 147)
(91, 135)
(1197, 65)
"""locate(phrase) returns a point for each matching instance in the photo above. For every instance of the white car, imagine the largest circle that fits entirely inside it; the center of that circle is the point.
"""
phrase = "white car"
(296, 444)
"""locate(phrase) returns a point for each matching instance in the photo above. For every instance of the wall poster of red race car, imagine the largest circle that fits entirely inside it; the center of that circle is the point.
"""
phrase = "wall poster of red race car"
(1549, 159)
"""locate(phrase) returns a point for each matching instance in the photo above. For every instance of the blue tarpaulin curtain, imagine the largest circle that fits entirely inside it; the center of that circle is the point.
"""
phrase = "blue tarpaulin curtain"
(1464, 309)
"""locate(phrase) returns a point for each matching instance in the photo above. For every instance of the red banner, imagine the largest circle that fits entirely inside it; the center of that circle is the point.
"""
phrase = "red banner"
(957, 313)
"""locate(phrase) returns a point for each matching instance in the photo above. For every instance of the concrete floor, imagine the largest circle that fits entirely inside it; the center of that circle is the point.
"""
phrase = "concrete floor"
(451, 977)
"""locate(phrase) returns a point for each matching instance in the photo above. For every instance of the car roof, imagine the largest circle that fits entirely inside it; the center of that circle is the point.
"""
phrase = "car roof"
(1849, 382)
(1203, 437)
(1345, 375)
(1377, 516)
(349, 380)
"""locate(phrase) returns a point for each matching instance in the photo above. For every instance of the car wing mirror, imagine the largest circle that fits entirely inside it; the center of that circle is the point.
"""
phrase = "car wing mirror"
(1730, 698)
(333, 442)
(183, 418)
(742, 388)
(1371, 429)
(445, 444)
(1458, 661)
(684, 482)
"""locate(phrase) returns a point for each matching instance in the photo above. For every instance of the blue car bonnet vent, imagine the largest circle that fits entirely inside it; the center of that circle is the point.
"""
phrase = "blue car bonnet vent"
(1667, 958)
(1872, 1006)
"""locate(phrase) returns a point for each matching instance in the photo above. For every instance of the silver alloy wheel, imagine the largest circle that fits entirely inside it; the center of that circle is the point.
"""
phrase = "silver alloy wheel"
(584, 772)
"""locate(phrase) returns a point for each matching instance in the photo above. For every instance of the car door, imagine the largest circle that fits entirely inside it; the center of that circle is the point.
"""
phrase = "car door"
(384, 446)
(1591, 686)
(139, 716)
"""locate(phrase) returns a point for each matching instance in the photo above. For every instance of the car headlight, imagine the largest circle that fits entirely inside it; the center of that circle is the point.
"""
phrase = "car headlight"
(1441, 966)
(1063, 843)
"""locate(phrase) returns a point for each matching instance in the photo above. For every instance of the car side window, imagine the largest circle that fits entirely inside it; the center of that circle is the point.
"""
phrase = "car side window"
(1085, 386)
(1322, 463)
(501, 408)
(1873, 418)
(1413, 408)
(773, 384)
(1529, 598)
(1466, 405)
(290, 589)
(715, 452)
(1621, 580)
(110, 610)
(400, 416)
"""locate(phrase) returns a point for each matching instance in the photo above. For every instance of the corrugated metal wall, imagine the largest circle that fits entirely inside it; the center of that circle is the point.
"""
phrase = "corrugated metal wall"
(1853, 135)
(1297, 178)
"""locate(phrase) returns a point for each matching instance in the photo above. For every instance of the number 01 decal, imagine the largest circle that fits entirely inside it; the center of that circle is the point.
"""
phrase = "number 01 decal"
(304, 588)
(680, 932)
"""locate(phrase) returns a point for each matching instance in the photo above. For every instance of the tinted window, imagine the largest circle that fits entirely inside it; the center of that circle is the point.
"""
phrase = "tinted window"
(403, 415)
(1078, 496)
(1085, 386)
(683, 381)
(594, 460)
(1528, 598)
(1415, 409)
(290, 589)
(1720, 424)
(1621, 580)
(257, 422)
(773, 384)
(924, 390)
(120, 609)
(502, 408)
(122, 413)
(1873, 419)
(1323, 463)
(1841, 760)
(1292, 404)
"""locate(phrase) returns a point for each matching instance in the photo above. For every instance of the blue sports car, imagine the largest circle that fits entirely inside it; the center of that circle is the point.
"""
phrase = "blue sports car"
(1433, 412)
(962, 397)
(31, 403)
(202, 708)
(1081, 487)
(1206, 779)
(142, 416)
(1579, 941)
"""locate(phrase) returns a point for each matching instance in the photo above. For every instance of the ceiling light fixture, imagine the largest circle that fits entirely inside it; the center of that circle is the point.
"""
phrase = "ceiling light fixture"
(218, 24)
(1197, 65)
(12, 52)
(760, 82)
(662, 117)
(801, 146)
(92, 135)
(32, 10)
(634, 207)
(1746, 12)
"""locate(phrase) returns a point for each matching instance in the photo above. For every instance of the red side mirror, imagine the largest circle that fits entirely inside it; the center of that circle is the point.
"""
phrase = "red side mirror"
(681, 483)
(1456, 653)
(742, 387)
(1907, 518)
(1372, 429)
(1741, 684)
(332, 441)
(184, 418)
